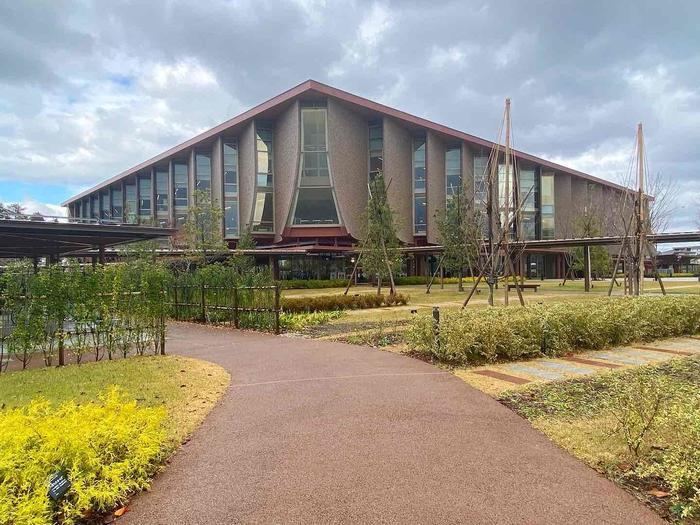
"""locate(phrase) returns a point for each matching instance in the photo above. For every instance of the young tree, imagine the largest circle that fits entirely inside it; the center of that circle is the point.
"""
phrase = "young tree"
(587, 223)
(460, 230)
(11, 210)
(380, 254)
(202, 229)
(244, 263)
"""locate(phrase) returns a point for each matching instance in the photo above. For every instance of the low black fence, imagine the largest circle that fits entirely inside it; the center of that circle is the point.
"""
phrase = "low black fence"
(255, 307)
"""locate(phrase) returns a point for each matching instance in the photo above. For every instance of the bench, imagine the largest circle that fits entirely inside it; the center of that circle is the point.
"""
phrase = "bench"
(526, 286)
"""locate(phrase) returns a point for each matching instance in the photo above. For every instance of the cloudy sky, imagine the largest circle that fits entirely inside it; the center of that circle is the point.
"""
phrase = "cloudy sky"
(88, 89)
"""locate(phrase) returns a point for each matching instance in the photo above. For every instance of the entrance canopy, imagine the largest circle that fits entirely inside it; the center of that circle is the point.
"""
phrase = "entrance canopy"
(56, 237)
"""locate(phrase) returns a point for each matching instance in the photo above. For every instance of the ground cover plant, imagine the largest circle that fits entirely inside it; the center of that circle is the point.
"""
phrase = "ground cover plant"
(109, 426)
(473, 336)
(322, 303)
(640, 427)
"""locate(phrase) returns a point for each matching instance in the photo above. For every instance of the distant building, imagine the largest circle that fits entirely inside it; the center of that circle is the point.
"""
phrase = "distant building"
(684, 259)
(295, 170)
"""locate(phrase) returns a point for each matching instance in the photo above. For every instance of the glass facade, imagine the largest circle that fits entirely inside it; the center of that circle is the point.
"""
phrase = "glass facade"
(95, 206)
(263, 206)
(130, 204)
(315, 203)
(180, 184)
(162, 192)
(453, 170)
(85, 209)
(376, 148)
(547, 205)
(528, 204)
(505, 196)
(145, 197)
(202, 171)
(117, 203)
(420, 213)
(105, 211)
(230, 182)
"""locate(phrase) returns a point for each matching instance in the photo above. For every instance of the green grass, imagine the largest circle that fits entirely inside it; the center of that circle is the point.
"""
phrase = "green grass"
(583, 416)
(449, 298)
(187, 388)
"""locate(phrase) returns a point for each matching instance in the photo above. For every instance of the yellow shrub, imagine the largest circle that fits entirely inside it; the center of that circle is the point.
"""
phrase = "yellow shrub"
(107, 449)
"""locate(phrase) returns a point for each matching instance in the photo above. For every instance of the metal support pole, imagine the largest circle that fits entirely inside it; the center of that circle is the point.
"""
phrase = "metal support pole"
(587, 267)
(277, 308)
(436, 326)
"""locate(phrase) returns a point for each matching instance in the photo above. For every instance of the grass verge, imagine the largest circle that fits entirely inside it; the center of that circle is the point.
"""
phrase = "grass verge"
(186, 388)
(640, 427)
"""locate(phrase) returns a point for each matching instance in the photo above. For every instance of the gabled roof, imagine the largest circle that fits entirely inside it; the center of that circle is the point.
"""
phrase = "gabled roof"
(323, 89)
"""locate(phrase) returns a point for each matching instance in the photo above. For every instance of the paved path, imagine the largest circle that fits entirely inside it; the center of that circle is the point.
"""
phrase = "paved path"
(317, 432)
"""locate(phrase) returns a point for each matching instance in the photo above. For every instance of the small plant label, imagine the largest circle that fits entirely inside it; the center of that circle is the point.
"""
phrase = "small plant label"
(58, 486)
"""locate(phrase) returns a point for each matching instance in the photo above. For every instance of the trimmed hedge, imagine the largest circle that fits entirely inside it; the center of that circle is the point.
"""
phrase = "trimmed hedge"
(502, 333)
(108, 450)
(312, 284)
(325, 303)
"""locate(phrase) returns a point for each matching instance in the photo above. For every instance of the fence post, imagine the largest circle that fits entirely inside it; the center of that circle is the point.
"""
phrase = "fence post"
(176, 307)
(162, 323)
(277, 308)
(436, 325)
(235, 306)
(204, 305)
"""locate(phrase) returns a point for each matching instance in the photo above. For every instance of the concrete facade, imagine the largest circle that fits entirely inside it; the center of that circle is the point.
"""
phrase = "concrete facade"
(347, 121)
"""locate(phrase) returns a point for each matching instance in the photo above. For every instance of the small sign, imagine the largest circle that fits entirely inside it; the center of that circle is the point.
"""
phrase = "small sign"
(59, 484)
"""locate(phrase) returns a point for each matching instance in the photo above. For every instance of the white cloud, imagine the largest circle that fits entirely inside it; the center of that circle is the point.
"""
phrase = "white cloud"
(455, 55)
(47, 209)
(363, 48)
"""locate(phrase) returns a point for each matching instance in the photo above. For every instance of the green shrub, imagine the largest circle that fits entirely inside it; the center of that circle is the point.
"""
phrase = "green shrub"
(108, 450)
(313, 284)
(295, 322)
(323, 303)
(502, 333)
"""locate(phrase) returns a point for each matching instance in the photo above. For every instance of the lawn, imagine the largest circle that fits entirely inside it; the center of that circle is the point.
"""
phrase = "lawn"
(187, 388)
(363, 323)
(640, 427)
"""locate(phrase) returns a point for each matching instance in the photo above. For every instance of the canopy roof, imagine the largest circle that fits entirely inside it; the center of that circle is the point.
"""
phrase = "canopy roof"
(39, 237)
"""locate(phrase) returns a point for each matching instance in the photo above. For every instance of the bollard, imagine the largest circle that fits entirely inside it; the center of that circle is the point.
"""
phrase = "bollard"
(436, 325)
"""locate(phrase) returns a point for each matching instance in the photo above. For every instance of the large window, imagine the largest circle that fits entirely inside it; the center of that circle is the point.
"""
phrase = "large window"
(315, 203)
(376, 148)
(505, 197)
(105, 211)
(77, 209)
(419, 203)
(117, 203)
(263, 207)
(130, 211)
(547, 205)
(231, 228)
(181, 184)
(162, 192)
(85, 209)
(95, 206)
(145, 197)
(528, 204)
(453, 171)
(202, 170)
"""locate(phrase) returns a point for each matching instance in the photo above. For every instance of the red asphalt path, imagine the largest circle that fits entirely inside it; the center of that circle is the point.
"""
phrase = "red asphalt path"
(319, 432)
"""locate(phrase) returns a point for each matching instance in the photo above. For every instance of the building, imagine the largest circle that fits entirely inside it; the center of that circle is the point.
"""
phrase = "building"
(295, 170)
(684, 259)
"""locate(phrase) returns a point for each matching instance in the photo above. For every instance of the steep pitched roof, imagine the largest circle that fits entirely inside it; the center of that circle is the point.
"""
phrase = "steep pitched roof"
(324, 89)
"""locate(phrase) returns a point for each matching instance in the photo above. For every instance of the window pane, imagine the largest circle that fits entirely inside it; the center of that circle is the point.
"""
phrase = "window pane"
(230, 169)
(117, 206)
(130, 211)
(105, 208)
(145, 196)
(314, 129)
(420, 214)
(453, 170)
(231, 217)
(263, 212)
(315, 206)
(162, 191)
(181, 183)
(203, 170)
(547, 205)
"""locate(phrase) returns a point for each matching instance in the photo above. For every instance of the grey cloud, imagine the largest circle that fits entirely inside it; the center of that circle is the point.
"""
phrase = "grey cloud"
(568, 71)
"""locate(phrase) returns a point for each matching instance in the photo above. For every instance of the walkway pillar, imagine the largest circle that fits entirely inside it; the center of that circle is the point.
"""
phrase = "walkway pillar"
(102, 254)
(587, 267)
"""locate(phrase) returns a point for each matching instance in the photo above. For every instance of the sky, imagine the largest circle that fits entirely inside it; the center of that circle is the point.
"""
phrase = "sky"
(89, 89)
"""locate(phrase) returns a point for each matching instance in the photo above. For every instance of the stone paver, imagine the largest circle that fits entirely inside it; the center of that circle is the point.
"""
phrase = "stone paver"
(317, 432)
